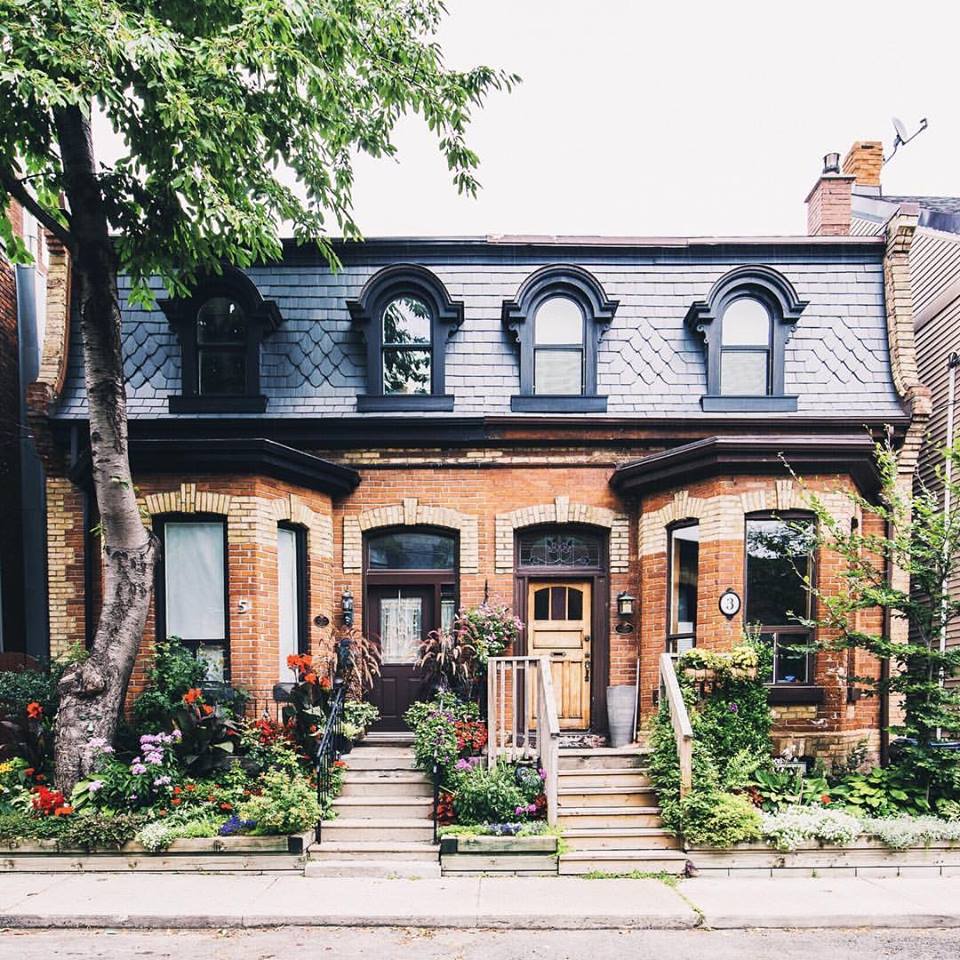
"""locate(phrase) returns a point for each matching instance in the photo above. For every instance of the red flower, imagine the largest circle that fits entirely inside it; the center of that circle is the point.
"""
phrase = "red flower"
(339, 763)
(192, 695)
(176, 801)
(190, 788)
(63, 811)
(825, 799)
(326, 683)
(40, 778)
(47, 802)
(226, 806)
(310, 677)
(207, 709)
(28, 772)
(176, 790)
(34, 710)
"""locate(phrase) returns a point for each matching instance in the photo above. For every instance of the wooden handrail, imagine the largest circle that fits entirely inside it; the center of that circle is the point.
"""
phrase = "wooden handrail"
(522, 718)
(680, 720)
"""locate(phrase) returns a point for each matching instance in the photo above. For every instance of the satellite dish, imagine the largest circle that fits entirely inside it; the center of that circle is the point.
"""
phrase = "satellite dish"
(902, 136)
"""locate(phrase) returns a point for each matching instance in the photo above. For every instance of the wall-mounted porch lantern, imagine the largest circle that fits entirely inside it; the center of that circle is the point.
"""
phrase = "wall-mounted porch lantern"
(346, 607)
(625, 605)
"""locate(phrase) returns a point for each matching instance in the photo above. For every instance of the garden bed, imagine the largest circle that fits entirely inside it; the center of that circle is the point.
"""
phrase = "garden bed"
(865, 857)
(190, 854)
(530, 856)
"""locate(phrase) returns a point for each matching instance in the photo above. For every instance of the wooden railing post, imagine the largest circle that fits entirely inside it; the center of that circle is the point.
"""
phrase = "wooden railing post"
(679, 720)
(548, 736)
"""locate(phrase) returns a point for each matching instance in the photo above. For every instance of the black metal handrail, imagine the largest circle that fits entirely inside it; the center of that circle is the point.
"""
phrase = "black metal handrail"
(330, 748)
(436, 798)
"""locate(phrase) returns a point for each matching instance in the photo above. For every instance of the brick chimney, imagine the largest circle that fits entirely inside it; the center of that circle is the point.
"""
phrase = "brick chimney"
(864, 161)
(828, 203)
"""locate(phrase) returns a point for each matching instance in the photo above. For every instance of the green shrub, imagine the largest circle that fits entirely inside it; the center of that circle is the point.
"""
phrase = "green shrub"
(717, 819)
(18, 688)
(174, 670)
(434, 731)
(287, 804)
(483, 795)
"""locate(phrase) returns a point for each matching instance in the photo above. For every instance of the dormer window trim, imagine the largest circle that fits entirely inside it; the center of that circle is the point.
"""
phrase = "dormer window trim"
(519, 318)
(261, 318)
(392, 284)
(777, 296)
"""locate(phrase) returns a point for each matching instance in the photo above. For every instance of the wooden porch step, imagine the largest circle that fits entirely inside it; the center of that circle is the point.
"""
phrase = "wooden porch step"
(613, 816)
(620, 838)
(606, 797)
(383, 808)
(600, 758)
(607, 777)
(349, 830)
(622, 861)
(387, 869)
(368, 760)
(404, 850)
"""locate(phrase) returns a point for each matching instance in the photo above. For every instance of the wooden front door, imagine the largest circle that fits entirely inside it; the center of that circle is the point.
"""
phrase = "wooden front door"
(400, 618)
(559, 618)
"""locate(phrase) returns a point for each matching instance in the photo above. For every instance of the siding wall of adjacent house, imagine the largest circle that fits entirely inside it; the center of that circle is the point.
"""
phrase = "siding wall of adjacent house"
(935, 269)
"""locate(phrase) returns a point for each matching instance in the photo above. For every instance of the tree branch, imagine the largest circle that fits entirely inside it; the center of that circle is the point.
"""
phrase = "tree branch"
(19, 192)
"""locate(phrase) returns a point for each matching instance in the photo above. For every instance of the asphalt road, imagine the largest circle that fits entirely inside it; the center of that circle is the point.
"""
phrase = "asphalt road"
(400, 944)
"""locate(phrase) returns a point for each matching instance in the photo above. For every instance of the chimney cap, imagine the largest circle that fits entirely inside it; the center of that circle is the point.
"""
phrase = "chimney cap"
(831, 163)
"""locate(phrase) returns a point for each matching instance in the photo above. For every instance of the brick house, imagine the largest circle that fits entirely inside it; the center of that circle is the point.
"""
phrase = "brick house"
(558, 424)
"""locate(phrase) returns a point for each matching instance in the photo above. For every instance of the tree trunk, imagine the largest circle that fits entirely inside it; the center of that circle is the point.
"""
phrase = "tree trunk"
(92, 691)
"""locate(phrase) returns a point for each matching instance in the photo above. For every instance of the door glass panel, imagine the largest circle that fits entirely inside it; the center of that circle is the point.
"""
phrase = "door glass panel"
(411, 551)
(574, 604)
(541, 604)
(401, 621)
(558, 603)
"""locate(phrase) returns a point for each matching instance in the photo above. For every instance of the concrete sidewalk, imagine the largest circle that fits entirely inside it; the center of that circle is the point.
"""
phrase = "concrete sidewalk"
(209, 901)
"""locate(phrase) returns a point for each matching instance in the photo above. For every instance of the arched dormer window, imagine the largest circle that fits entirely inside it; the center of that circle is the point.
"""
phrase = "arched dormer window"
(407, 316)
(557, 320)
(745, 323)
(220, 327)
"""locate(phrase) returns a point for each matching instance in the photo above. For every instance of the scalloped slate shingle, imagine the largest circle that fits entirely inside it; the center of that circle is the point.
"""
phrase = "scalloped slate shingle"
(649, 363)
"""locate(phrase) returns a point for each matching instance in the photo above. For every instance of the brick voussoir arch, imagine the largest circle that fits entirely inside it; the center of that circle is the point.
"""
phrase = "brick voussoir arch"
(411, 513)
(562, 511)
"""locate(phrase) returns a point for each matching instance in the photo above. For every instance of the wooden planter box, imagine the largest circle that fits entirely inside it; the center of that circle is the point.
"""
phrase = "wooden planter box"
(864, 857)
(188, 854)
(708, 675)
(503, 856)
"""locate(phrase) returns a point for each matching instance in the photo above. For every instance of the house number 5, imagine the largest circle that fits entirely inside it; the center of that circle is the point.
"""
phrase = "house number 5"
(730, 603)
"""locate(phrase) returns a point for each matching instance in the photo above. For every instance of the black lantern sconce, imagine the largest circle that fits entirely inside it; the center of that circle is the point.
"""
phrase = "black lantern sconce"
(625, 607)
(346, 607)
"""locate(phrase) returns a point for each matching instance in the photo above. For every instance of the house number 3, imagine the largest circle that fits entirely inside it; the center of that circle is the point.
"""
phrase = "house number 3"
(730, 603)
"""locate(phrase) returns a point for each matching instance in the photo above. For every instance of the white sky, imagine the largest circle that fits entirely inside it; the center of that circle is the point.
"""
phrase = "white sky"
(675, 118)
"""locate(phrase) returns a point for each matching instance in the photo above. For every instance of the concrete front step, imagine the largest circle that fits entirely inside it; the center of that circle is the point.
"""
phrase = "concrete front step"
(616, 816)
(607, 797)
(619, 861)
(383, 808)
(396, 787)
(601, 758)
(404, 850)
(348, 830)
(609, 777)
(620, 838)
(388, 869)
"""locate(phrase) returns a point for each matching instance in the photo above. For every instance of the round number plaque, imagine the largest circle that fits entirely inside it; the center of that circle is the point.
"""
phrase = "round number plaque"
(730, 603)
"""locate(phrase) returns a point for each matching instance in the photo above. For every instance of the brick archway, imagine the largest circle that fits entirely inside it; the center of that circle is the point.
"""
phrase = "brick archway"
(411, 513)
(563, 511)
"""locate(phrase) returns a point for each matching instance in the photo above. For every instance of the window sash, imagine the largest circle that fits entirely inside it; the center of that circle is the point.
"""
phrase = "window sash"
(290, 560)
(787, 637)
(679, 637)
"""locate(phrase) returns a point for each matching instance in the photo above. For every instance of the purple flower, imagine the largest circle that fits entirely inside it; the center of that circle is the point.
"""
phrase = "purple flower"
(137, 768)
(733, 708)
(94, 785)
(161, 781)
(519, 810)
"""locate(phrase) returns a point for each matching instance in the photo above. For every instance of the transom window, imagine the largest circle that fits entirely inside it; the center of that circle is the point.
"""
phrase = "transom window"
(411, 550)
(407, 346)
(559, 548)
(745, 349)
(558, 347)
(779, 567)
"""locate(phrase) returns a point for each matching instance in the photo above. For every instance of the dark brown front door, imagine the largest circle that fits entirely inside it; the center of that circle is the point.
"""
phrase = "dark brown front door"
(400, 619)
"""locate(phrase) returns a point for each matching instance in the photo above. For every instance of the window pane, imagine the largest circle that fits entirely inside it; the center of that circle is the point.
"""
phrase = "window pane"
(559, 549)
(684, 569)
(193, 580)
(746, 323)
(288, 599)
(791, 661)
(400, 626)
(558, 320)
(743, 373)
(777, 558)
(558, 372)
(411, 551)
(212, 656)
(221, 321)
(223, 372)
(406, 371)
(541, 604)
(574, 604)
(406, 320)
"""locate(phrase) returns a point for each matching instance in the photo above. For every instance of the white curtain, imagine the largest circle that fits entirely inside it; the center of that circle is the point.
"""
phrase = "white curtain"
(400, 629)
(193, 579)
(288, 599)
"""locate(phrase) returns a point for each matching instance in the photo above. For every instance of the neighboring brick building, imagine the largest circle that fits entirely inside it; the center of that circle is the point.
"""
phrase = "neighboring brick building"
(546, 422)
